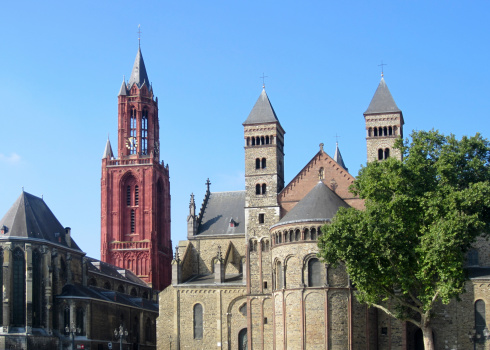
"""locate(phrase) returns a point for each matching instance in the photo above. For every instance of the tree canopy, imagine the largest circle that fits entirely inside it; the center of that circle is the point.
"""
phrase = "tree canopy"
(421, 216)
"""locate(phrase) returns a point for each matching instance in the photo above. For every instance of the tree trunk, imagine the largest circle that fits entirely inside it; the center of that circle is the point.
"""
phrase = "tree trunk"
(428, 338)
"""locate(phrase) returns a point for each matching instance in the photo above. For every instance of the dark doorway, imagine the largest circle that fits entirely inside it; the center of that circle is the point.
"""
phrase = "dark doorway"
(419, 340)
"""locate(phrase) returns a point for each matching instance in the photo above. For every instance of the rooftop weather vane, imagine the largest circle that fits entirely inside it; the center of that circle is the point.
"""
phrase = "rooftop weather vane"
(337, 139)
(263, 80)
(139, 35)
(381, 65)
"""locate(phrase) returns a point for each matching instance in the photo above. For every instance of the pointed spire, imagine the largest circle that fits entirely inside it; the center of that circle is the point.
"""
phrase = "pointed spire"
(338, 157)
(108, 150)
(262, 111)
(123, 91)
(382, 101)
(138, 75)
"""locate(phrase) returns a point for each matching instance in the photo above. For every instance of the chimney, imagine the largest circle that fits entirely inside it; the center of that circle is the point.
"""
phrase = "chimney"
(68, 236)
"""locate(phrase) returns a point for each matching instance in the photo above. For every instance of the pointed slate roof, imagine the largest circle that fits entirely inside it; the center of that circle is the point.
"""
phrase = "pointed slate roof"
(123, 91)
(262, 111)
(382, 101)
(30, 217)
(338, 157)
(222, 207)
(108, 150)
(320, 204)
(138, 75)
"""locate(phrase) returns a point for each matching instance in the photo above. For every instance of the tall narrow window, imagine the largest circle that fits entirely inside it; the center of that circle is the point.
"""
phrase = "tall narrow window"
(80, 321)
(314, 273)
(132, 221)
(243, 339)
(144, 132)
(257, 163)
(133, 130)
(19, 291)
(66, 319)
(261, 218)
(136, 195)
(1, 284)
(257, 189)
(380, 154)
(198, 329)
(280, 276)
(264, 188)
(480, 321)
(128, 196)
(36, 289)
(264, 163)
(387, 153)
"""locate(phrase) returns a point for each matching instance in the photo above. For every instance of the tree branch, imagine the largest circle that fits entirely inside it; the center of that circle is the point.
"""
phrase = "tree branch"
(388, 312)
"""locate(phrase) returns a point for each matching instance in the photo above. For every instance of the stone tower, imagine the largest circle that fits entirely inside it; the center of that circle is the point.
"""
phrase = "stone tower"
(264, 179)
(384, 124)
(135, 187)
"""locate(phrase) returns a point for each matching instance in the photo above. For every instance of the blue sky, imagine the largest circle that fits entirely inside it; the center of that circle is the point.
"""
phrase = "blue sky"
(62, 65)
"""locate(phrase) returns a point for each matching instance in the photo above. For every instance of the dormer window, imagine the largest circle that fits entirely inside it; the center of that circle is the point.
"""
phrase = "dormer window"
(233, 223)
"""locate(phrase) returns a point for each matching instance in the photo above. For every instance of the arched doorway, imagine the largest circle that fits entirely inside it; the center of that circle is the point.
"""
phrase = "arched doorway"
(243, 340)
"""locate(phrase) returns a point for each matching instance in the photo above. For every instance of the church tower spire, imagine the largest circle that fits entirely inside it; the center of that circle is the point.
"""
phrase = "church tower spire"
(384, 124)
(135, 187)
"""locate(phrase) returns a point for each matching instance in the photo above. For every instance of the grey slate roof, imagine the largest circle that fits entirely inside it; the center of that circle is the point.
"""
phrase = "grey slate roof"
(123, 91)
(338, 157)
(138, 75)
(382, 101)
(320, 204)
(113, 271)
(262, 111)
(108, 150)
(220, 209)
(80, 291)
(30, 217)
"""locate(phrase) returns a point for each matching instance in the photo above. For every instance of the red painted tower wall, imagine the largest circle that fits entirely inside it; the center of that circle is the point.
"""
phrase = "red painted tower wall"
(135, 189)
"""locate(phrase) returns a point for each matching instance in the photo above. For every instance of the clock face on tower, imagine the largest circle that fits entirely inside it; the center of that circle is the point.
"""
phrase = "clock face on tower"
(131, 143)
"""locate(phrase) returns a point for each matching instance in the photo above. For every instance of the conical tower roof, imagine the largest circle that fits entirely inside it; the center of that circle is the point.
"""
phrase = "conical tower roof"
(123, 91)
(262, 111)
(108, 150)
(138, 75)
(338, 157)
(30, 217)
(320, 204)
(382, 101)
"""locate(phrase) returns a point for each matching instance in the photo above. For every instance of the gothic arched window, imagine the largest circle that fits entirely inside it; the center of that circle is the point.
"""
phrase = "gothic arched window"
(133, 129)
(18, 288)
(198, 318)
(36, 289)
(136, 195)
(80, 316)
(144, 132)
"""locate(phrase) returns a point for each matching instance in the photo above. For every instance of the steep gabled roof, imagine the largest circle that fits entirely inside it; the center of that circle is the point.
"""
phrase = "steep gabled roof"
(320, 204)
(138, 75)
(262, 112)
(108, 150)
(30, 217)
(338, 157)
(382, 101)
(221, 208)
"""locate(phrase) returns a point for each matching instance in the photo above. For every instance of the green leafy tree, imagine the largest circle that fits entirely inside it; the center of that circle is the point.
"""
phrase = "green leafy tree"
(421, 216)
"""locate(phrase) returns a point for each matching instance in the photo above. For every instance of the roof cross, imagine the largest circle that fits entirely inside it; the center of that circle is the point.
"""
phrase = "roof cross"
(381, 65)
(139, 35)
(263, 80)
(337, 139)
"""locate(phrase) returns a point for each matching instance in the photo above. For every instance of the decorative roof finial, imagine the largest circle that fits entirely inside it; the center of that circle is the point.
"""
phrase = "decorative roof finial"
(208, 183)
(381, 65)
(263, 80)
(139, 35)
(321, 147)
(337, 140)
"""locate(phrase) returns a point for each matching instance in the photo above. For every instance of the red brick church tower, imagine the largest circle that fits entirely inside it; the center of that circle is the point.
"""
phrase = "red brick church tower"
(135, 187)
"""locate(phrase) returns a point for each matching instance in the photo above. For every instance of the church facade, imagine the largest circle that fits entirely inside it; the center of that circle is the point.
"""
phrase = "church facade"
(248, 276)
